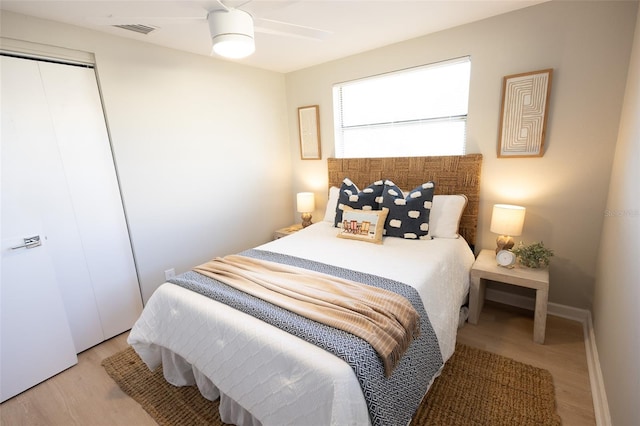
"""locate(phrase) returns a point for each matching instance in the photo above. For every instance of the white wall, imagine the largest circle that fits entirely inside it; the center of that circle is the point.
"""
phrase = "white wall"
(616, 309)
(200, 145)
(587, 44)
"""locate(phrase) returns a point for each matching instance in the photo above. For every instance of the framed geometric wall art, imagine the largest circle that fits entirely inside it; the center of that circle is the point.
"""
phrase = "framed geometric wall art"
(309, 130)
(523, 117)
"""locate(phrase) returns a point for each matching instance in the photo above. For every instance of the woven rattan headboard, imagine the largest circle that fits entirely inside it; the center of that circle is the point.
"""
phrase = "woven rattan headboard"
(458, 174)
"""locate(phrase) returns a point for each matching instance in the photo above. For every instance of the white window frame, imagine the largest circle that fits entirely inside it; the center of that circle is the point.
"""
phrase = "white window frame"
(400, 121)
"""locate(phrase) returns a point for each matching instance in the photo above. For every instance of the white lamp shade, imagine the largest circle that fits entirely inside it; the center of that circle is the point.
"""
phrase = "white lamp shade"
(305, 202)
(232, 33)
(507, 219)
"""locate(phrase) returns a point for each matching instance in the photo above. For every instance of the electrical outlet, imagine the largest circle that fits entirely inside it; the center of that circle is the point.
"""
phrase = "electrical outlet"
(169, 273)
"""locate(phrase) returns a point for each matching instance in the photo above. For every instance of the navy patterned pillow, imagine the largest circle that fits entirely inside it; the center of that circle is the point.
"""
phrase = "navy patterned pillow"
(367, 199)
(408, 216)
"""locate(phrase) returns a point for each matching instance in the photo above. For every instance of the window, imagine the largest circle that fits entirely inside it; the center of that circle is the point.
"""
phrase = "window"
(414, 112)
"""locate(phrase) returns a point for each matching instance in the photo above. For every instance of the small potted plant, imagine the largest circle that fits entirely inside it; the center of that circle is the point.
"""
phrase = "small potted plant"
(534, 255)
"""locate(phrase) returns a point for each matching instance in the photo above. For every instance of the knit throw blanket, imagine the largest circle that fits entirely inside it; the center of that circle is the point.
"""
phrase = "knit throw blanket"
(390, 400)
(381, 317)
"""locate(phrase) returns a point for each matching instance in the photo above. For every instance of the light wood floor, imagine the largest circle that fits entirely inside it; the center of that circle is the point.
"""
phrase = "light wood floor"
(85, 395)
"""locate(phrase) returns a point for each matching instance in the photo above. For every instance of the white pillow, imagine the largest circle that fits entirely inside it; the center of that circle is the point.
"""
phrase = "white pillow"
(332, 203)
(446, 212)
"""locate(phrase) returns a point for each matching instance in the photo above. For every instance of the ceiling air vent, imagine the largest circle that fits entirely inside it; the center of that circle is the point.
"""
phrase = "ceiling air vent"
(138, 28)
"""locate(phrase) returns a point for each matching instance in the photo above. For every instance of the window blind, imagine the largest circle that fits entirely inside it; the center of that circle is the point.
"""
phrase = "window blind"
(412, 112)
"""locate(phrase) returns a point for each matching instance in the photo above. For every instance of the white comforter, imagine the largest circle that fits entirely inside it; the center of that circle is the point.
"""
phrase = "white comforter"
(270, 377)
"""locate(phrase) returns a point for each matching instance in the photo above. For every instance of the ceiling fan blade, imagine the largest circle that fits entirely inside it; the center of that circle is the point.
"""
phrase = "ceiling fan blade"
(145, 20)
(269, 26)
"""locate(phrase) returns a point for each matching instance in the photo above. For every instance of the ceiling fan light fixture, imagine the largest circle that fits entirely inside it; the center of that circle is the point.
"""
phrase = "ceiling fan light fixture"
(231, 33)
(233, 46)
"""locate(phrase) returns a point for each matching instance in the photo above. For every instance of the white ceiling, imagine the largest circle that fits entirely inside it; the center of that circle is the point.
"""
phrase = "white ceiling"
(355, 25)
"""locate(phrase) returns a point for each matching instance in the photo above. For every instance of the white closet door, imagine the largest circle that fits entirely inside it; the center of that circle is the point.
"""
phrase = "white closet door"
(80, 207)
(76, 109)
(36, 341)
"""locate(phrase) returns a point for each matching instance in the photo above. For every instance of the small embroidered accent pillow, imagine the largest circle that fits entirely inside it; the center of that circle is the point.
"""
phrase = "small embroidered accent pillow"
(363, 225)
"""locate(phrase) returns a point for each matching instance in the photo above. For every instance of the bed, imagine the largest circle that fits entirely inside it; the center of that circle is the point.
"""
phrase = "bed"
(266, 376)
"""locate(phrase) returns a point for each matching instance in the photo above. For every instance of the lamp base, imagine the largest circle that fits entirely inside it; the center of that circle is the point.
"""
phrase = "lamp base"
(504, 242)
(306, 219)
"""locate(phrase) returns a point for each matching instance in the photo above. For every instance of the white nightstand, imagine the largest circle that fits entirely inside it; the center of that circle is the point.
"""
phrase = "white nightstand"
(283, 232)
(486, 268)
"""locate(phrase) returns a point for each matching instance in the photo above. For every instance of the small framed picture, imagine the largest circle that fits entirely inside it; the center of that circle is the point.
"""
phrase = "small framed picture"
(309, 130)
(523, 118)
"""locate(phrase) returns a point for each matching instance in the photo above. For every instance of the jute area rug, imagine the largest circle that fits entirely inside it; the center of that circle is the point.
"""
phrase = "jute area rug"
(475, 388)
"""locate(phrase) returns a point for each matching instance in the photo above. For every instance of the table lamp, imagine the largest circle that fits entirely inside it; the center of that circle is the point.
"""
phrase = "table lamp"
(305, 204)
(507, 221)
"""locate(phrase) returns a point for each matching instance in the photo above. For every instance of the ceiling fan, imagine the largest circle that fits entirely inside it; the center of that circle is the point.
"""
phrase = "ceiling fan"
(231, 27)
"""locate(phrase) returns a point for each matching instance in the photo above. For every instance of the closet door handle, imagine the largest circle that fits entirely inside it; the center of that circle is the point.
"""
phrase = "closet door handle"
(30, 242)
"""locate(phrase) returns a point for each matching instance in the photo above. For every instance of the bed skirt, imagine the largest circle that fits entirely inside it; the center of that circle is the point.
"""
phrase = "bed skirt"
(179, 372)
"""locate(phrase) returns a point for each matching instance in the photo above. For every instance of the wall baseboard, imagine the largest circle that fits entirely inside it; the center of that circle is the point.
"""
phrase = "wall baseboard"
(583, 316)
